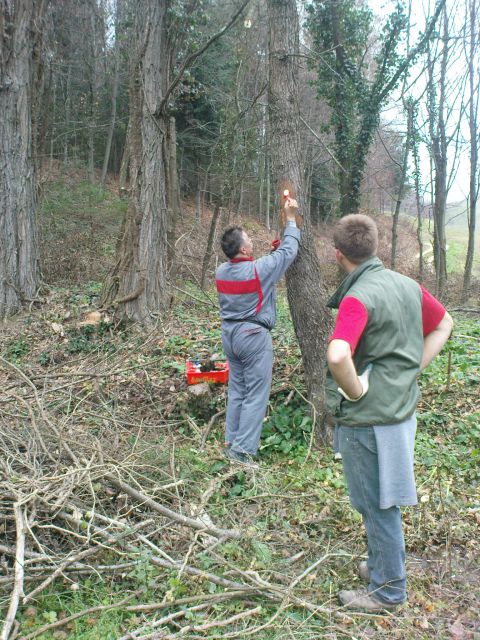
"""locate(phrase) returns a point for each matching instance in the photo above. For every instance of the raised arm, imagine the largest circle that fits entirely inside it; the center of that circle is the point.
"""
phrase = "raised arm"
(273, 266)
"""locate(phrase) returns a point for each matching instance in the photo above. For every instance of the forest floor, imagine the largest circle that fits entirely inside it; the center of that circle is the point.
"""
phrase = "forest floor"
(97, 419)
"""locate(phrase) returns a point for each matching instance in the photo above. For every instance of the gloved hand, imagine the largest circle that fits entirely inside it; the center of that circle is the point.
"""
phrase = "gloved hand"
(275, 244)
(364, 381)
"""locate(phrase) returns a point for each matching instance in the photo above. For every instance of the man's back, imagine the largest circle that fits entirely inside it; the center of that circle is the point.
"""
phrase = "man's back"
(392, 342)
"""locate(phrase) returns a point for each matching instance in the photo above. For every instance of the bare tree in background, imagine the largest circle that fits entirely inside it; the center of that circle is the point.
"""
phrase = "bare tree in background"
(304, 278)
(444, 129)
(115, 83)
(474, 93)
(19, 274)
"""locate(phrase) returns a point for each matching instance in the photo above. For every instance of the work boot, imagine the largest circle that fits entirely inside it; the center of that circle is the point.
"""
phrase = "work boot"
(362, 600)
(237, 457)
(363, 571)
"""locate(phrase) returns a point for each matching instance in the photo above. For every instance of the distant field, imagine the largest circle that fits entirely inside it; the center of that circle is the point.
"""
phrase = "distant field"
(457, 238)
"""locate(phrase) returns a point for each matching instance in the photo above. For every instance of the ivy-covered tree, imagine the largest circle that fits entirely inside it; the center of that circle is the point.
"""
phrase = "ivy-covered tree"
(356, 83)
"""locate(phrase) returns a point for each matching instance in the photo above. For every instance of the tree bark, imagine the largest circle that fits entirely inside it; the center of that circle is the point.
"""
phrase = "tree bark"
(122, 178)
(305, 286)
(173, 190)
(472, 119)
(439, 152)
(19, 271)
(418, 201)
(94, 80)
(137, 285)
(209, 248)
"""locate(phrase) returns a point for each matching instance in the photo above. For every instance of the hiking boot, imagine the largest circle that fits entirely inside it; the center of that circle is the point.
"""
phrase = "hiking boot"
(362, 600)
(237, 457)
(363, 571)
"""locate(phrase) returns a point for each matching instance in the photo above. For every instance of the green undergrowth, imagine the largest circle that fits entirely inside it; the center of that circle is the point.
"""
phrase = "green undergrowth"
(295, 510)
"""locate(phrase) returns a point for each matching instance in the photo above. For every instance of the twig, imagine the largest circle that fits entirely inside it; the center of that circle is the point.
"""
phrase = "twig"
(173, 515)
(17, 591)
(209, 426)
(209, 625)
(164, 620)
(190, 295)
(40, 406)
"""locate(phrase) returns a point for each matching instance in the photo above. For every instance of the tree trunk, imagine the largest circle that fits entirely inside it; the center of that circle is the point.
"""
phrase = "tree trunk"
(68, 108)
(268, 194)
(418, 202)
(304, 278)
(92, 98)
(439, 152)
(473, 190)
(401, 186)
(138, 284)
(209, 248)
(198, 196)
(122, 178)
(18, 241)
(173, 190)
(113, 113)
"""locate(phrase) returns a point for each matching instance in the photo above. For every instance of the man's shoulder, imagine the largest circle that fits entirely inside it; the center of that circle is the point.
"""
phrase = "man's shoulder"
(222, 269)
(382, 284)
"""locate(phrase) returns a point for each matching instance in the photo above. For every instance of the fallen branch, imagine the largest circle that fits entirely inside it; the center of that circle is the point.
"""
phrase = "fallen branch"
(209, 426)
(205, 627)
(190, 295)
(17, 591)
(173, 515)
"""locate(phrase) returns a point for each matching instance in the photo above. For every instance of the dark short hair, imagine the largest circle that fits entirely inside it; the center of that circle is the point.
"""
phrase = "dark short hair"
(232, 240)
(356, 236)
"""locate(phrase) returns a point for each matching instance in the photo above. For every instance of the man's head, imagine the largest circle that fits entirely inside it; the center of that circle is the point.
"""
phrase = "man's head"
(236, 243)
(355, 237)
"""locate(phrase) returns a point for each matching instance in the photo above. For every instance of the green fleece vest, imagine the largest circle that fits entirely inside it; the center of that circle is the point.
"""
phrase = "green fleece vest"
(392, 342)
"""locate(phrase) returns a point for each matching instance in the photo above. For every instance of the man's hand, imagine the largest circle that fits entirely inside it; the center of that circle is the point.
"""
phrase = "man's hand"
(290, 212)
(291, 208)
(275, 244)
(364, 381)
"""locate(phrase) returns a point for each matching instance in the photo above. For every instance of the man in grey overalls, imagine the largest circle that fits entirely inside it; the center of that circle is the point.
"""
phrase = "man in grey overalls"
(246, 290)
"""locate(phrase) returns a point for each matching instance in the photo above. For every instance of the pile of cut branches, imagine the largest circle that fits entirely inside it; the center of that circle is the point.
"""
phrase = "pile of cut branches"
(78, 501)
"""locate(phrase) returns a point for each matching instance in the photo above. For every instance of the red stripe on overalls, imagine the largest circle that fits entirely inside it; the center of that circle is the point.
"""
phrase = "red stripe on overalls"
(238, 287)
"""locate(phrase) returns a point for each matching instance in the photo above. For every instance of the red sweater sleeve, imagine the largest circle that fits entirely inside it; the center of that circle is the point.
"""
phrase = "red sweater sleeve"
(351, 321)
(432, 311)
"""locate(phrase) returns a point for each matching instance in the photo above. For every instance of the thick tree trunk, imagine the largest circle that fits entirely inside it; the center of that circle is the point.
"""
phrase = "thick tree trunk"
(18, 242)
(138, 283)
(304, 278)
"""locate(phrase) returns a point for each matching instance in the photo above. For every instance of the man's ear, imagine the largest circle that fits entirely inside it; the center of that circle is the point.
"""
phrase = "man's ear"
(339, 255)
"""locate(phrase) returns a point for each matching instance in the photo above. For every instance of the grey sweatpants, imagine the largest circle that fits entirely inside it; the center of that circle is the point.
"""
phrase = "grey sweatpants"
(249, 352)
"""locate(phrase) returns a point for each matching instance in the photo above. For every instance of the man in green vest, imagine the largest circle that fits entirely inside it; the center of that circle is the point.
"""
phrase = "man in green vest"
(387, 330)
